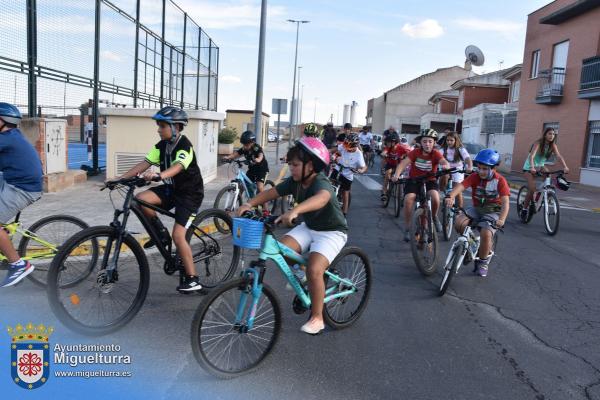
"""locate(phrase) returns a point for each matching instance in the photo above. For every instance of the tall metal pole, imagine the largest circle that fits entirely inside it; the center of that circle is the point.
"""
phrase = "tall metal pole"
(315, 113)
(136, 53)
(260, 74)
(95, 133)
(162, 55)
(31, 57)
(292, 113)
(297, 111)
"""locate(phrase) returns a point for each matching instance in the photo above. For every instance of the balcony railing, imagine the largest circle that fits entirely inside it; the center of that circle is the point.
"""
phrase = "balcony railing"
(590, 78)
(550, 86)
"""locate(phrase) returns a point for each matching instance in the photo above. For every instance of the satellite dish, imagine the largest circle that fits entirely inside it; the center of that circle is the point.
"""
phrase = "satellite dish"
(474, 57)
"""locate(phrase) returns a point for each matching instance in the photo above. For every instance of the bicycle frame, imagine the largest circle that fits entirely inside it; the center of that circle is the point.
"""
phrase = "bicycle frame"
(14, 227)
(133, 204)
(274, 250)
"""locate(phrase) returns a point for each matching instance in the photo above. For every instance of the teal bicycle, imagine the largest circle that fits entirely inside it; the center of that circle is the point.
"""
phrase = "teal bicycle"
(237, 325)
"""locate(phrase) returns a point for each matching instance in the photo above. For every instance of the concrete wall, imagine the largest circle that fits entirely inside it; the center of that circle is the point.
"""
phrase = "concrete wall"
(473, 119)
(239, 120)
(408, 102)
(132, 132)
(583, 33)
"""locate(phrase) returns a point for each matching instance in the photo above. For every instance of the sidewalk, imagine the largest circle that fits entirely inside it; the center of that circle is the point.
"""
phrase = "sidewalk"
(87, 202)
(578, 195)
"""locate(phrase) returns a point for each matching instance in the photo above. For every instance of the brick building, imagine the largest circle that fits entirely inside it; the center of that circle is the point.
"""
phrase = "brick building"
(561, 85)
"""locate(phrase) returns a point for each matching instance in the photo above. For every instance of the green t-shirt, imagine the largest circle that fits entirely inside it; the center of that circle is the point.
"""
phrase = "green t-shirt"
(328, 218)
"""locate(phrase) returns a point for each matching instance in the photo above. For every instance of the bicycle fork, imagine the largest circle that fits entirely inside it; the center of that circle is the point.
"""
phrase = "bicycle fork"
(244, 319)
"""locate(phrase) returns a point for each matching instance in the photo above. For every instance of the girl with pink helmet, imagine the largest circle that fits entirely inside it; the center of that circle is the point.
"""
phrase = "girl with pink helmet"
(323, 232)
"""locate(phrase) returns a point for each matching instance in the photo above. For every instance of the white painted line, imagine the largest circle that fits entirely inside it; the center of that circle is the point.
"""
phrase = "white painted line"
(369, 183)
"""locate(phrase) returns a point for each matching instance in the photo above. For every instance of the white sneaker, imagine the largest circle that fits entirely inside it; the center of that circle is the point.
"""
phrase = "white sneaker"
(313, 329)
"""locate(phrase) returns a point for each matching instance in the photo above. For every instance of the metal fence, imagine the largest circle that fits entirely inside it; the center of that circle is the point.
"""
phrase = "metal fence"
(64, 59)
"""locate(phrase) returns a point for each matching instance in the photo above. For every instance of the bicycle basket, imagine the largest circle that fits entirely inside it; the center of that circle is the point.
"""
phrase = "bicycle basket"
(562, 183)
(247, 233)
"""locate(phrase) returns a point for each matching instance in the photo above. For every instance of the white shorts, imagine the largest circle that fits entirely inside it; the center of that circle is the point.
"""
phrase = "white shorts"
(326, 243)
(458, 177)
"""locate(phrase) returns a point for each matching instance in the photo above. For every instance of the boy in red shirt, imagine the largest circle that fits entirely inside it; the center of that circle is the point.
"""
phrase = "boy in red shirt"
(393, 152)
(423, 161)
(491, 195)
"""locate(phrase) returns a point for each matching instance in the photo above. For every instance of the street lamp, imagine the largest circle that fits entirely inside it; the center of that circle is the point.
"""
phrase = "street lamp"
(298, 110)
(315, 114)
(292, 113)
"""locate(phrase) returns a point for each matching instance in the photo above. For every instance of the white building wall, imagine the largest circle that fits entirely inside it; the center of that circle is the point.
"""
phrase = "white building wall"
(407, 103)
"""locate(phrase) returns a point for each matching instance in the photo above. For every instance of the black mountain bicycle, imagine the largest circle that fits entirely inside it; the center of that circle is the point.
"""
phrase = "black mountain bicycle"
(424, 241)
(103, 298)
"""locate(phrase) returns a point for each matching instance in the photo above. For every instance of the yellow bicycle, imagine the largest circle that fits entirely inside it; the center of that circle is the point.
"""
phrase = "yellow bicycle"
(41, 241)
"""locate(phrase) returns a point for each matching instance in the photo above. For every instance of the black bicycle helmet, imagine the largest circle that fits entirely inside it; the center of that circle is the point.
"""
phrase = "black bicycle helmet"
(393, 137)
(10, 114)
(171, 115)
(247, 137)
(341, 137)
(352, 139)
(347, 125)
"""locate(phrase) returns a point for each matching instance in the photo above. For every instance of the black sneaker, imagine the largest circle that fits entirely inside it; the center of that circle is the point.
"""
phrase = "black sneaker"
(190, 284)
(149, 244)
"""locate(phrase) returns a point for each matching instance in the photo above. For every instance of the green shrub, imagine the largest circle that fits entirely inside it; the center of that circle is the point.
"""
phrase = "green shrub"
(227, 135)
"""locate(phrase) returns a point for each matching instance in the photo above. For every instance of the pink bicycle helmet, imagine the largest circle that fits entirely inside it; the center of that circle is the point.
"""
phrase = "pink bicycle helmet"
(317, 150)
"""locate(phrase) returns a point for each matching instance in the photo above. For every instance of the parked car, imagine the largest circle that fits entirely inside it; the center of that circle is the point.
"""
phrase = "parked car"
(378, 143)
(473, 149)
(272, 136)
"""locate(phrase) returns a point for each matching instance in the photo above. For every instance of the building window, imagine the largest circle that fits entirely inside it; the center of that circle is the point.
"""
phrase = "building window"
(593, 159)
(516, 87)
(535, 64)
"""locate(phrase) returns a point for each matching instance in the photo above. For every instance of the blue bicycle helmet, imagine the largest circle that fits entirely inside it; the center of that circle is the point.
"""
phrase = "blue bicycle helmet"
(171, 115)
(489, 157)
(10, 114)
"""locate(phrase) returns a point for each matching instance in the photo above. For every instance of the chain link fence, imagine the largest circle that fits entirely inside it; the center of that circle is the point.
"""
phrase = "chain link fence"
(64, 59)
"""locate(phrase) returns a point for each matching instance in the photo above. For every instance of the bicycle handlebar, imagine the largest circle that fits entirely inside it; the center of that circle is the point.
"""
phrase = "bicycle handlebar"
(430, 175)
(239, 161)
(544, 173)
(354, 170)
(488, 219)
(268, 220)
(132, 181)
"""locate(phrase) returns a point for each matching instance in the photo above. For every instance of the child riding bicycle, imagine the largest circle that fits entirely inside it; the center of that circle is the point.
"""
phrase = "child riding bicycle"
(540, 152)
(351, 159)
(491, 195)
(324, 230)
(423, 161)
(454, 151)
(254, 154)
(393, 152)
(20, 185)
(183, 185)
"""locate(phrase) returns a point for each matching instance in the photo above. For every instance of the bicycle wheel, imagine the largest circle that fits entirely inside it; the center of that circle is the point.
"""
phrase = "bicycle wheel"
(226, 349)
(98, 305)
(353, 265)
(211, 239)
(54, 230)
(399, 198)
(388, 194)
(520, 200)
(225, 199)
(423, 244)
(447, 222)
(551, 213)
(273, 205)
(452, 267)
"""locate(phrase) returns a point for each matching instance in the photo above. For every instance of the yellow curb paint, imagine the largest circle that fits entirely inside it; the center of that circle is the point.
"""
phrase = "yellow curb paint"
(85, 249)
(596, 210)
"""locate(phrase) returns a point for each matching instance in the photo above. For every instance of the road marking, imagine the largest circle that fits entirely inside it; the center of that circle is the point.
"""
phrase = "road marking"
(369, 183)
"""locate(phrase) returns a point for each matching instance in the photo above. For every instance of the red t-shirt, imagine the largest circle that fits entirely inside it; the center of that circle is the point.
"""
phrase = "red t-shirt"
(423, 164)
(395, 154)
(487, 192)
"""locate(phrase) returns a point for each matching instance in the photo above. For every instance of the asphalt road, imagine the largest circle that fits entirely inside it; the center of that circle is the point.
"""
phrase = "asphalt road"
(530, 330)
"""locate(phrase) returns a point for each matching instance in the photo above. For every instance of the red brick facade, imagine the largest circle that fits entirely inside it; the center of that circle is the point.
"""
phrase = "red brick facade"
(475, 95)
(583, 33)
